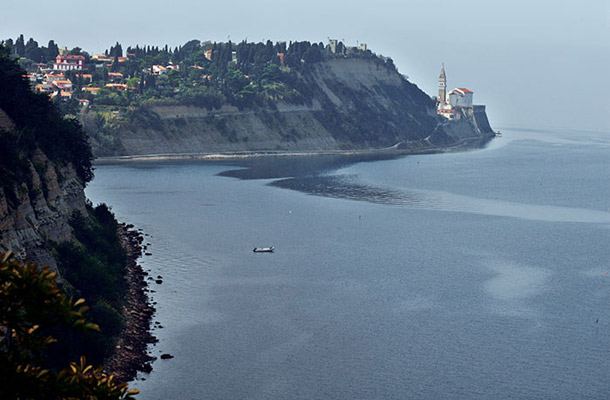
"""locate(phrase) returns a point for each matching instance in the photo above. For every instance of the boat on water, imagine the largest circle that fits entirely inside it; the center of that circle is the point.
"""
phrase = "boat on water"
(263, 249)
(498, 133)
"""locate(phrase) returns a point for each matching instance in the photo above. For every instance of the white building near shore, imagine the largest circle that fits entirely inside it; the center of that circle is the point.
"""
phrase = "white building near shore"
(460, 97)
(450, 105)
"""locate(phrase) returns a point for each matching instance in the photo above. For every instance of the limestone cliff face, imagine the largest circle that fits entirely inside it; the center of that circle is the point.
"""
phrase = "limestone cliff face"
(39, 209)
(355, 103)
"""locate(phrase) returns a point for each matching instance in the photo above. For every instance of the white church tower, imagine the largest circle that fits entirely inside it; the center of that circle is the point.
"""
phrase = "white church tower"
(442, 85)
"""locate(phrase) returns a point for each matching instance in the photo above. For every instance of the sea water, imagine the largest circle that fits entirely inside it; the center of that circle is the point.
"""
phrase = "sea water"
(472, 275)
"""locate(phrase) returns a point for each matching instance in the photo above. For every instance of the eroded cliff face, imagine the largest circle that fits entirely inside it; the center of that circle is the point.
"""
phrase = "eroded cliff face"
(39, 210)
(355, 104)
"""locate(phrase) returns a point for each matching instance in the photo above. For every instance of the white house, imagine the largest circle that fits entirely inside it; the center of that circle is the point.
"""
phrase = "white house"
(460, 97)
(69, 63)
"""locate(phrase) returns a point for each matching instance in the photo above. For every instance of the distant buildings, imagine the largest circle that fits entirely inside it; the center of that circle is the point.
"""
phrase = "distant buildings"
(159, 70)
(92, 90)
(118, 86)
(115, 76)
(460, 97)
(332, 43)
(442, 85)
(102, 58)
(64, 85)
(69, 63)
(453, 104)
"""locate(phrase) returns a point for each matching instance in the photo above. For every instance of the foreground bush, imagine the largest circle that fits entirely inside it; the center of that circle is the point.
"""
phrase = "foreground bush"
(32, 307)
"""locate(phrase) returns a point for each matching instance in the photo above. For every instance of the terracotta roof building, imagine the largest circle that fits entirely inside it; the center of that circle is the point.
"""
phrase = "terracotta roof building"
(69, 63)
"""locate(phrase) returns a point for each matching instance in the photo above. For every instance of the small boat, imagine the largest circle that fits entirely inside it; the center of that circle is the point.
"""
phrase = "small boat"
(263, 249)
(498, 133)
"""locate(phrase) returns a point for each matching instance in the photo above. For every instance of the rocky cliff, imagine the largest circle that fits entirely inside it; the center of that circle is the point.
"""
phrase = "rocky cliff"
(39, 209)
(353, 104)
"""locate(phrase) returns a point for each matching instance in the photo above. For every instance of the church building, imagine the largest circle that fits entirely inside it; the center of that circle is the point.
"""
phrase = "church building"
(450, 105)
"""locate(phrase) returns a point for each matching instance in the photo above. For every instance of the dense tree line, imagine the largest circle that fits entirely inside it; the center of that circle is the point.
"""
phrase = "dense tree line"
(32, 50)
(38, 124)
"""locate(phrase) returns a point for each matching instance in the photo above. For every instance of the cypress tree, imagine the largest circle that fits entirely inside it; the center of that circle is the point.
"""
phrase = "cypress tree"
(20, 46)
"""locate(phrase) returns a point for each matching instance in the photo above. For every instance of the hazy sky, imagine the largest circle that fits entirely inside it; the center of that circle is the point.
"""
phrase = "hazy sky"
(535, 64)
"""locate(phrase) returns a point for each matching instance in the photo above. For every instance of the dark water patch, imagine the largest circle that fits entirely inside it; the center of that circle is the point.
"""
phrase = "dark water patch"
(347, 187)
(350, 187)
(296, 166)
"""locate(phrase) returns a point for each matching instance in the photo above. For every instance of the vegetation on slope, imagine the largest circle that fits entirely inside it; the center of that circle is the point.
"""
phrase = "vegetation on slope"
(34, 316)
(250, 76)
(92, 265)
(38, 124)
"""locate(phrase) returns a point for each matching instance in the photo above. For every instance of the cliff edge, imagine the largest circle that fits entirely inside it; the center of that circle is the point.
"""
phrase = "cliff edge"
(45, 163)
(351, 103)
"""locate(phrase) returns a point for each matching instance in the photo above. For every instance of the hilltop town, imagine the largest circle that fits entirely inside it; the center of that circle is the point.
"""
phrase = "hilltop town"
(204, 97)
(119, 78)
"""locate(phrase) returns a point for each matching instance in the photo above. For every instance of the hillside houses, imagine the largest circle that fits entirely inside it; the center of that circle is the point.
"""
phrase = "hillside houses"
(197, 73)
(69, 62)
(115, 76)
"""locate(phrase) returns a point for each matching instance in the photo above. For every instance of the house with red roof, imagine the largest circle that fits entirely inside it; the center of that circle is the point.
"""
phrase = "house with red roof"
(87, 78)
(451, 105)
(159, 70)
(116, 86)
(92, 90)
(69, 62)
(63, 85)
(50, 77)
(115, 76)
(44, 88)
(460, 97)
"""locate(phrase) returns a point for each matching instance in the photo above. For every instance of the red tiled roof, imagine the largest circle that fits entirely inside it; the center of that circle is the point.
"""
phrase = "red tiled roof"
(70, 56)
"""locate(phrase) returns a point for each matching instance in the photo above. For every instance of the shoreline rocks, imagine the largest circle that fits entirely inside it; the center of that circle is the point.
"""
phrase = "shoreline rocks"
(130, 354)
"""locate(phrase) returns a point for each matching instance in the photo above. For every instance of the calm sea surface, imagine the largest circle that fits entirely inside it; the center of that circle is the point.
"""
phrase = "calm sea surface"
(476, 275)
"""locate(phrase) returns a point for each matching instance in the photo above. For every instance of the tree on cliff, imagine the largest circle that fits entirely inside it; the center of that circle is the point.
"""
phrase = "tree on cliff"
(38, 122)
(31, 308)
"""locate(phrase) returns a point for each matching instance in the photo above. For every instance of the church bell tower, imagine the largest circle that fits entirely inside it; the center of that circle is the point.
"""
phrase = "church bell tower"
(442, 85)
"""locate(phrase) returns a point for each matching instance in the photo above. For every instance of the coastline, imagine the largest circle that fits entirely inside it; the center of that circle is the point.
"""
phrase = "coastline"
(396, 150)
(129, 355)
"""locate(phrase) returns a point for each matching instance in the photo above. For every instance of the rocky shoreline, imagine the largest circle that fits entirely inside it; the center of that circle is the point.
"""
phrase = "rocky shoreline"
(130, 354)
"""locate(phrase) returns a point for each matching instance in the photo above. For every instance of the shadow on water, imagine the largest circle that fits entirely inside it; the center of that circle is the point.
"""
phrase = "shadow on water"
(346, 187)
(321, 176)
(297, 166)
